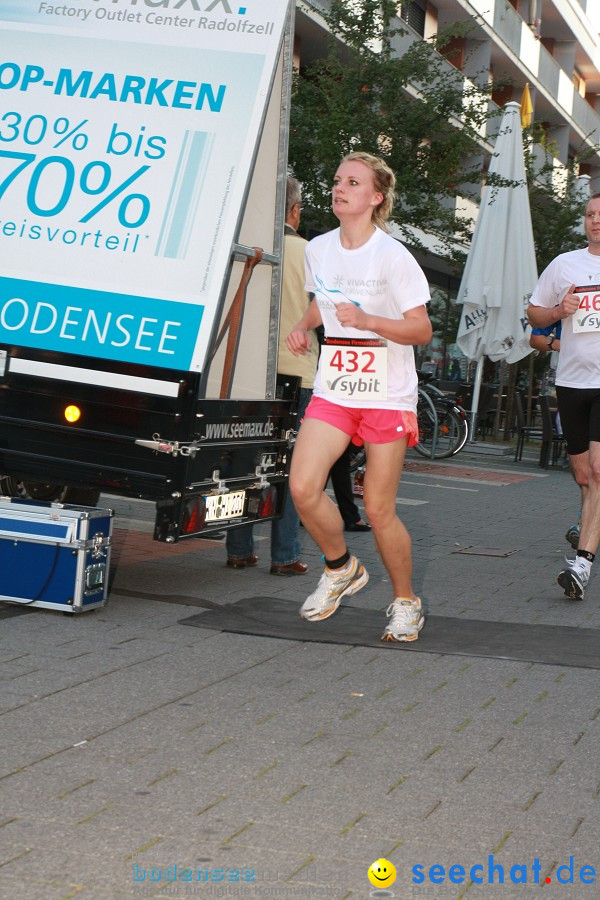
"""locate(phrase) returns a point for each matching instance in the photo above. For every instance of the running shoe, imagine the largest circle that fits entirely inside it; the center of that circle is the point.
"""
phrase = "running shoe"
(573, 581)
(323, 602)
(572, 536)
(407, 618)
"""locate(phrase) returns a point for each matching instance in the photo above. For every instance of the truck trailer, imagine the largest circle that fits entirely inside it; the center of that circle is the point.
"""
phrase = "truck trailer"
(142, 188)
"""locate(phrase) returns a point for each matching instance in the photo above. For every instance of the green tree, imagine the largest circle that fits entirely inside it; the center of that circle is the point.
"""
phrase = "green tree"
(555, 200)
(379, 91)
(444, 315)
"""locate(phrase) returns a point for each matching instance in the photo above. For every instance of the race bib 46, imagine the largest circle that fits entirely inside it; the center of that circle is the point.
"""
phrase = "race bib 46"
(587, 317)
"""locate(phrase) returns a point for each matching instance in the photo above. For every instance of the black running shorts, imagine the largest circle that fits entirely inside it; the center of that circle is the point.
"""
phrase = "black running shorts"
(579, 410)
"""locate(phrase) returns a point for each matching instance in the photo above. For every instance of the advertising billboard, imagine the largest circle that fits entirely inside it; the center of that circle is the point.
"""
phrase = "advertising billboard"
(127, 132)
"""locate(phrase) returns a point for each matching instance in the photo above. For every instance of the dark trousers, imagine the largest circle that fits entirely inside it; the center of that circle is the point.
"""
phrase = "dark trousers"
(341, 482)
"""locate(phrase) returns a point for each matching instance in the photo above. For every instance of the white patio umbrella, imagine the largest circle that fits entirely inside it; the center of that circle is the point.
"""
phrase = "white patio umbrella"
(501, 272)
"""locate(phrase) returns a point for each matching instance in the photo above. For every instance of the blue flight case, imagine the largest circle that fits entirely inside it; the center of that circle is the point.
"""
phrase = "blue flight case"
(54, 555)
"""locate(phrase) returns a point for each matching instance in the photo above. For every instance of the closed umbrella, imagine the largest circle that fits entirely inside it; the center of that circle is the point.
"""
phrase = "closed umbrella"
(500, 273)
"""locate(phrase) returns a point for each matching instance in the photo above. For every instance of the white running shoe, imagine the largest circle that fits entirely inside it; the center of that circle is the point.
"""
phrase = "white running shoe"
(323, 602)
(573, 580)
(407, 618)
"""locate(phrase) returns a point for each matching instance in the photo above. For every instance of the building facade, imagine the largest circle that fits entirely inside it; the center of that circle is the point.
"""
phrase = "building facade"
(549, 45)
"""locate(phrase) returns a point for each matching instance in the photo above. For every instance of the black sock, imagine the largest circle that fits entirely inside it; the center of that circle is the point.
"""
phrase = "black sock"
(338, 563)
(587, 555)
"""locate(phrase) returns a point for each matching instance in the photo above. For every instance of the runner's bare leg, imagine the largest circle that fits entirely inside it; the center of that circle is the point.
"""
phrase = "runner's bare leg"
(318, 446)
(382, 475)
(586, 469)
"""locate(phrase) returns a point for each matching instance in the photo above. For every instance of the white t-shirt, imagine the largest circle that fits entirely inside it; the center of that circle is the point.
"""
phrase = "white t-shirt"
(383, 279)
(579, 355)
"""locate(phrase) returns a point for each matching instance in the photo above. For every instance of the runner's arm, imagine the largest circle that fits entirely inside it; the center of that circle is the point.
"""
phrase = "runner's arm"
(298, 340)
(414, 328)
(540, 342)
(542, 316)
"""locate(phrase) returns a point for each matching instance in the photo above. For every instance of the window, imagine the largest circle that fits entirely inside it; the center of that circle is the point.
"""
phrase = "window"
(579, 83)
(413, 13)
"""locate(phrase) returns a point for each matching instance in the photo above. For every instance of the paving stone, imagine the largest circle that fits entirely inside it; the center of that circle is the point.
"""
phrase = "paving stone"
(211, 749)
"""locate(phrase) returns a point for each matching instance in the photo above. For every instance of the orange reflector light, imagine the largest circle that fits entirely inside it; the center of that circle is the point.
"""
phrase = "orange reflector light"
(72, 413)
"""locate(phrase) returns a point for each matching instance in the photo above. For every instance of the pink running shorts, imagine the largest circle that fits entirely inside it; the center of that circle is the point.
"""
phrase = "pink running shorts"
(366, 425)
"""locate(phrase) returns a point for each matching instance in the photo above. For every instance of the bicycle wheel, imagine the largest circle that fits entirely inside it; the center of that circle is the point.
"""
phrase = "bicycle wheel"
(358, 457)
(452, 431)
(427, 422)
(455, 423)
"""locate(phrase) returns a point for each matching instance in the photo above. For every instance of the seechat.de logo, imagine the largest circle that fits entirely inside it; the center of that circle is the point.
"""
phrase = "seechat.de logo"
(494, 873)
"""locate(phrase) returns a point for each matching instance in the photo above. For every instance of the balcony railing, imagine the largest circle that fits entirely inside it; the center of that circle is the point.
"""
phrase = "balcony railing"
(510, 28)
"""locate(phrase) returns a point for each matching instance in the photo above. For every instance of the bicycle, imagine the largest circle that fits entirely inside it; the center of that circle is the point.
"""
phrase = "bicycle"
(452, 422)
(437, 415)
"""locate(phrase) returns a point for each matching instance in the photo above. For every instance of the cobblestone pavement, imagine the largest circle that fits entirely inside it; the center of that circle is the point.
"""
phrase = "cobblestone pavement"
(143, 757)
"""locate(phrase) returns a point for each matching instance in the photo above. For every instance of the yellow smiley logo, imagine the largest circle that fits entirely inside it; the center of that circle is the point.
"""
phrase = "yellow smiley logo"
(382, 873)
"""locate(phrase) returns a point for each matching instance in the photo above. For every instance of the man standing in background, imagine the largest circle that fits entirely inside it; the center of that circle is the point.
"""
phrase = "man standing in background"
(285, 544)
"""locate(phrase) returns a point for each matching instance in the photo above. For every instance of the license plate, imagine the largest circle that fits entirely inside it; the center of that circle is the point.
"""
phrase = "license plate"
(225, 506)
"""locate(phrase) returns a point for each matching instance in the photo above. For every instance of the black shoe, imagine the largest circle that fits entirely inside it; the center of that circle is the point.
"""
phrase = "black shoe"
(357, 526)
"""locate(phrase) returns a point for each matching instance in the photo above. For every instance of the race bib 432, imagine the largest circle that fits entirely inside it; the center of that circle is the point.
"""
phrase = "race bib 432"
(354, 368)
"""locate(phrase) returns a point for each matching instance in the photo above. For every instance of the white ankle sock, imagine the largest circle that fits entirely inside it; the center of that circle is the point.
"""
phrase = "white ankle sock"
(583, 564)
